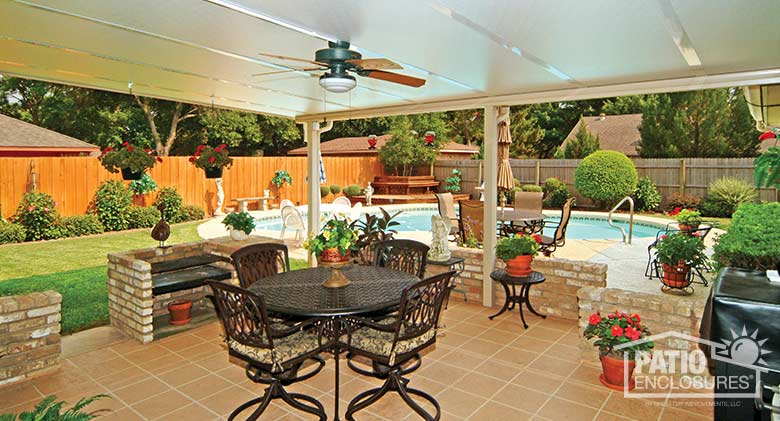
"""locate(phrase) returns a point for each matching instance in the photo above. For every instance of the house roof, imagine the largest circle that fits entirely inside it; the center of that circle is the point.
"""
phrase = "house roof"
(17, 134)
(359, 145)
(616, 132)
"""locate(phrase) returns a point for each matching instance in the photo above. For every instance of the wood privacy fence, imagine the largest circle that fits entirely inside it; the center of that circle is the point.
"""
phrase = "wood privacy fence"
(671, 175)
(72, 181)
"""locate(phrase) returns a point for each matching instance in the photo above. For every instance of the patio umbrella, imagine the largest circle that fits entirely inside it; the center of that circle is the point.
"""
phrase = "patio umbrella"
(323, 177)
(505, 176)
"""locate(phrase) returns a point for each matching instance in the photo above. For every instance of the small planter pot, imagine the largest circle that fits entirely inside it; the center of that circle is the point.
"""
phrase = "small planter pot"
(332, 255)
(238, 235)
(139, 200)
(520, 266)
(128, 174)
(614, 373)
(213, 172)
(180, 312)
(675, 276)
(688, 227)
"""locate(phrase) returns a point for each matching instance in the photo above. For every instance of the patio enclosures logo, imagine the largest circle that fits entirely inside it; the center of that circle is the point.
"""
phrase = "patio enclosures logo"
(679, 373)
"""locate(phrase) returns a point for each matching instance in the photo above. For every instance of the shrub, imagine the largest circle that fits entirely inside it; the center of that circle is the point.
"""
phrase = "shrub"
(352, 190)
(36, 213)
(11, 233)
(532, 188)
(171, 198)
(76, 226)
(606, 177)
(143, 217)
(335, 189)
(555, 193)
(682, 201)
(144, 185)
(753, 240)
(112, 201)
(728, 193)
(191, 213)
(646, 195)
(715, 209)
(324, 191)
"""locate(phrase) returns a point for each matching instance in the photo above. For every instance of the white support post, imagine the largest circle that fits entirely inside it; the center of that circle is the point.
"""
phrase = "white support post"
(311, 134)
(490, 164)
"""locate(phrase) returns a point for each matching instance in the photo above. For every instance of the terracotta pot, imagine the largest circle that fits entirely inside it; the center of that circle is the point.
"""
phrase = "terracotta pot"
(333, 255)
(128, 174)
(139, 200)
(213, 172)
(238, 235)
(519, 266)
(614, 373)
(675, 276)
(688, 227)
(180, 312)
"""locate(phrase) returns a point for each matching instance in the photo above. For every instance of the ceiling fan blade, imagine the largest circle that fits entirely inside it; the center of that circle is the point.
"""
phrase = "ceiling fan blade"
(288, 71)
(394, 77)
(375, 64)
(291, 59)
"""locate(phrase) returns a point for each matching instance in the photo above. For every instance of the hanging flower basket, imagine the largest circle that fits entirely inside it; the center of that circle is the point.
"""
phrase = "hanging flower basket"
(131, 160)
(213, 172)
(212, 160)
(128, 174)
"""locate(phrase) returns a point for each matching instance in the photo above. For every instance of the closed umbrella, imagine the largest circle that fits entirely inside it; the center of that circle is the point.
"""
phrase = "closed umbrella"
(323, 177)
(506, 180)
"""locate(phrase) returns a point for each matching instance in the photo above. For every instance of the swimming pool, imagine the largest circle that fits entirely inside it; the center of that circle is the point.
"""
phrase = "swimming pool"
(580, 227)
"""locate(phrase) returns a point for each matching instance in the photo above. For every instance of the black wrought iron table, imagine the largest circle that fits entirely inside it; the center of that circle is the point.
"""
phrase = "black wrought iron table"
(500, 275)
(300, 293)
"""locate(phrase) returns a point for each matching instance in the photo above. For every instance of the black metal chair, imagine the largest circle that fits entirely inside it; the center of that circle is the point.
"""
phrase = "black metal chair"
(652, 271)
(258, 261)
(550, 244)
(274, 353)
(395, 341)
(409, 256)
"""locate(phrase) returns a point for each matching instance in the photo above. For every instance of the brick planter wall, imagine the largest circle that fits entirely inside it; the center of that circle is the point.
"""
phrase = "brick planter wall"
(29, 335)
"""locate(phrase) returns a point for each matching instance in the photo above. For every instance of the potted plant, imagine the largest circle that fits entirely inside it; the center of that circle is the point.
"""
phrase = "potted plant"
(141, 188)
(240, 225)
(212, 160)
(279, 179)
(131, 160)
(371, 230)
(179, 311)
(452, 183)
(616, 337)
(677, 253)
(689, 220)
(517, 251)
(335, 243)
(51, 409)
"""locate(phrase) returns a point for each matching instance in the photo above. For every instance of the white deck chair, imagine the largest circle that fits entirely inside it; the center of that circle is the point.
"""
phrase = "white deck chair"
(286, 202)
(356, 211)
(342, 200)
(293, 220)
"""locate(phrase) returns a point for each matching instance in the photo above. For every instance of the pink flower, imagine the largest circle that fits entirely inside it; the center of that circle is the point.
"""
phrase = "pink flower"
(616, 331)
(45, 209)
(594, 319)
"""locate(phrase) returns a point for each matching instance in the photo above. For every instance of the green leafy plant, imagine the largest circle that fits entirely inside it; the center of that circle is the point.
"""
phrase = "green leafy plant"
(452, 183)
(128, 156)
(335, 189)
(615, 330)
(352, 190)
(532, 188)
(207, 157)
(337, 233)
(646, 195)
(51, 410)
(111, 203)
(689, 217)
(240, 221)
(144, 185)
(11, 233)
(682, 201)
(190, 213)
(324, 191)
(555, 193)
(172, 200)
(728, 193)
(753, 239)
(36, 213)
(673, 248)
(606, 177)
(142, 216)
(507, 248)
(281, 177)
(715, 208)
(79, 225)
(372, 229)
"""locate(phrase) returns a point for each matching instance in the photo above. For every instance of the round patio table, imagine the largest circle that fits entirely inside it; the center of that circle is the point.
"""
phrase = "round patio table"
(527, 221)
(300, 293)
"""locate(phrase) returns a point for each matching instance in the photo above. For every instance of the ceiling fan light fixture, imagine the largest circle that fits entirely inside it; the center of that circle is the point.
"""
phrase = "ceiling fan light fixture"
(337, 83)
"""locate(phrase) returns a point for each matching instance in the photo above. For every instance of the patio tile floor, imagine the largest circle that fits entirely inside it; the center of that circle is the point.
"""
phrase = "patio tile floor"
(479, 370)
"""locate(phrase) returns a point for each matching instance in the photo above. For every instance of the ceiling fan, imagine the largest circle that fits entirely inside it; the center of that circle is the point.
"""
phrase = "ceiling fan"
(338, 60)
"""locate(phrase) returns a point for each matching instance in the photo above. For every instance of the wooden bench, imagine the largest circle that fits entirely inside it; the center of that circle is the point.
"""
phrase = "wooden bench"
(187, 273)
(243, 202)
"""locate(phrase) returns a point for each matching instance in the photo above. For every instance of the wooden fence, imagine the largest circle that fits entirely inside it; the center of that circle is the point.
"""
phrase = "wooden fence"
(72, 181)
(688, 175)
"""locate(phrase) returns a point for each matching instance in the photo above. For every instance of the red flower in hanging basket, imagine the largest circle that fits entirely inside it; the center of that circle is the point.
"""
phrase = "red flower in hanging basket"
(129, 148)
(192, 158)
(212, 159)
(158, 159)
(430, 137)
(107, 150)
(767, 135)
(125, 143)
(372, 142)
(221, 147)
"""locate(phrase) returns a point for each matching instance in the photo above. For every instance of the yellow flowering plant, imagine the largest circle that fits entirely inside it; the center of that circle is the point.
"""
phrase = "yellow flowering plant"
(337, 233)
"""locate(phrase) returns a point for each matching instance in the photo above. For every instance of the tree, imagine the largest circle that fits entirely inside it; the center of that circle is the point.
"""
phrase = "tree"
(583, 143)
(741, 133)
(526, 133)
(631, 104)
(466, 126)
(165, 116)
(405, 149)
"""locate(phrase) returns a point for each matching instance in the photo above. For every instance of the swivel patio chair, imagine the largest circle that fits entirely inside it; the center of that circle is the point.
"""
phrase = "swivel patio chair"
(273, 355)
(293, 220)
(550, 244)
(392, 343)
(258, 261)
(409, 256)
(447, 211)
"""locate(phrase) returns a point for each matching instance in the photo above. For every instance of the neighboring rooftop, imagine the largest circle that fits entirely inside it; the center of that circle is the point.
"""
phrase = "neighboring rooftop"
(359, 146)
(19, 138)
(616, 132)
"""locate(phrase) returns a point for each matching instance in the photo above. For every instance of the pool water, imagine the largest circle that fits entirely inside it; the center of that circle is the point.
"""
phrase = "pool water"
(580, 228)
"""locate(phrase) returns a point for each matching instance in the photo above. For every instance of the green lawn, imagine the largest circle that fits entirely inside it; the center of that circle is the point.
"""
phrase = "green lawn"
(76, 268)
(722, 223)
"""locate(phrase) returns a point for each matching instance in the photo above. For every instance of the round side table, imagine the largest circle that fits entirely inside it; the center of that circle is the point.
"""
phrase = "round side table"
(514, 296)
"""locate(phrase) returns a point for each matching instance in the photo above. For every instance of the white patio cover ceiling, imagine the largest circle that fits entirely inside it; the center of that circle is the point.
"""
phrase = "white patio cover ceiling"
(472, 52)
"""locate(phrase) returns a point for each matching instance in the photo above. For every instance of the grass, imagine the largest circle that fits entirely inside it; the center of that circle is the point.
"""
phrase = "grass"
(721, 223)
(76, 268)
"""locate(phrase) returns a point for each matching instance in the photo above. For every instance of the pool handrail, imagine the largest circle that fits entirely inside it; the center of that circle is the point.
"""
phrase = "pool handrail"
(630, 218)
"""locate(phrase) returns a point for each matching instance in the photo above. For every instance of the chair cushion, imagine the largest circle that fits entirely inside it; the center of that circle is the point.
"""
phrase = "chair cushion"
(377, 342)
(284, 350)
(547, 240)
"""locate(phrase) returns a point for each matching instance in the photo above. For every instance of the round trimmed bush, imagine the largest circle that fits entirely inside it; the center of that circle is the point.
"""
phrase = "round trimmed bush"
(532, 188)
(646, 196)
(606, 177)
(142, 216)
(37, 215)
(172, 201)
(191, 213)
(352, 190)
(556, 193)
(11, 233)
(112, 201)
(324, 191)
(76, 226)
(335, 189)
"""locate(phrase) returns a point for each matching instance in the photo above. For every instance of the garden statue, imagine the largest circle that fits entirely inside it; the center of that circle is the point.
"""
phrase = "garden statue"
(220, 198)
(368, 191)
(439, 251)
(161, 230)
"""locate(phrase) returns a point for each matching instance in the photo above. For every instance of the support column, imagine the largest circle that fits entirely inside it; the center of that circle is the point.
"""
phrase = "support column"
(490, 163)
(311, 134)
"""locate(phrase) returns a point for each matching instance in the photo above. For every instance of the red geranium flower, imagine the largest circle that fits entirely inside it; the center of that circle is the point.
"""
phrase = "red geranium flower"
(767, 135)
(212, 159)
(220, 147)
(130, 148)
(107, 150)
(636, 317)
(616, 331)
(594, 319)
(125, 143)
(200, 148)
(192, 159)
(632, 333)
(537, 238)
(158, 159)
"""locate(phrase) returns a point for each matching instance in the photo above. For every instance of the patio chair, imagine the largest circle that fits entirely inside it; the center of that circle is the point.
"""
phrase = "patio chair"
(292, 219)
(273, 356)
(356, 212)
(286, 202)
(258, 261)
(393, 343)
(472, 215)
(409, 256)
(342, 200)
(550, 244)
(526, 201)
(651, 270)
(447, 211)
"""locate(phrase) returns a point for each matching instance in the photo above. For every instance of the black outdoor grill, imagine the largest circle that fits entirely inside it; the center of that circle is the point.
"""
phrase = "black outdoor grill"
(745, 301)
